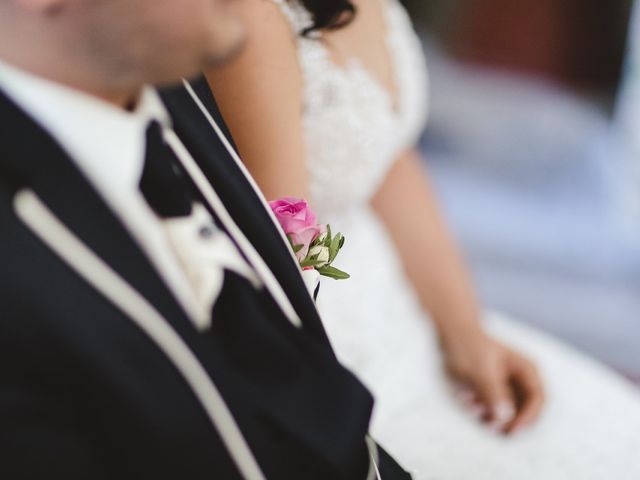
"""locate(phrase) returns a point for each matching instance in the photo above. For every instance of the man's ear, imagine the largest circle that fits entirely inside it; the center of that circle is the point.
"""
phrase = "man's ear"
(42, 6)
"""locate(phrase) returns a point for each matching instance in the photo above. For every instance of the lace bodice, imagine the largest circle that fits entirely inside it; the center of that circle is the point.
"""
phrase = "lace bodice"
(353, 130)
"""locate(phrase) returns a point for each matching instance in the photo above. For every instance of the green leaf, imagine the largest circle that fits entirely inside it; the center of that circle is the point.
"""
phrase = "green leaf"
(335, 247)
(327, 240)
(297, 248)
(333, 272)
(310, 262)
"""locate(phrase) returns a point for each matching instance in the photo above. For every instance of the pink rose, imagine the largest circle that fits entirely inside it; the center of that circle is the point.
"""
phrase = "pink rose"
(293, 214)
(298, 222)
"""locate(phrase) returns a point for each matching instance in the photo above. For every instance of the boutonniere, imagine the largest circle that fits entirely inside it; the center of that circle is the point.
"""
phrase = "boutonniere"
(314, 245)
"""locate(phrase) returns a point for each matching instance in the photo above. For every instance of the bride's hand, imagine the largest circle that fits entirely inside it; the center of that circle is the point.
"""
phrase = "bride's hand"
(502, 385)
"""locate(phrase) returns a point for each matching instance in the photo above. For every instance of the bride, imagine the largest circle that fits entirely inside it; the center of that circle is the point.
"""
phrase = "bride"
(326, 103)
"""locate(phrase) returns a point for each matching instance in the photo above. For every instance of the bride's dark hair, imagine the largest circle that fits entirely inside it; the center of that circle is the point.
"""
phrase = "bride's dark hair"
(329, 14)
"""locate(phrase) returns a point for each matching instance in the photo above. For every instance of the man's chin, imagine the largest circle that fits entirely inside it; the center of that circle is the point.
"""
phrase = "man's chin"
(206, 60)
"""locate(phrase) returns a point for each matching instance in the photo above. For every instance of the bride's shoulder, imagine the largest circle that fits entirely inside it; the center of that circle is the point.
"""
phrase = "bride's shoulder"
(267, 66)
(270, 37)
(276, 14)
(260, 95)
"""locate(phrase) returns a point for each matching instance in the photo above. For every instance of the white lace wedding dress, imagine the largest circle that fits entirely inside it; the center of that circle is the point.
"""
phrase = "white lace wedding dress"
(590, 428)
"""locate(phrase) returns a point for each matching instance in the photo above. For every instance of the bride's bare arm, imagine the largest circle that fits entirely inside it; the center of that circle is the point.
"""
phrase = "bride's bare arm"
(408, 207)
(501, 379)
(260, 96)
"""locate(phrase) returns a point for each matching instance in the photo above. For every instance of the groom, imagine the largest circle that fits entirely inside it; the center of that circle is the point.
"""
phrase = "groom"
(153, 323)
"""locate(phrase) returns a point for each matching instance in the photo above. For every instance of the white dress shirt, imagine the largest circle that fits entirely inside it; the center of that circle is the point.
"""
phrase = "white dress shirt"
(108, 145)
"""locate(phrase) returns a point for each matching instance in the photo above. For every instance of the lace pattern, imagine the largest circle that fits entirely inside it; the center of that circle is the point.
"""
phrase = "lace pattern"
(353, 130)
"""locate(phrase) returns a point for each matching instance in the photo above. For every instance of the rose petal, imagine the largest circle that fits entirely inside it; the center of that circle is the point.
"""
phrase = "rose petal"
(293, 214)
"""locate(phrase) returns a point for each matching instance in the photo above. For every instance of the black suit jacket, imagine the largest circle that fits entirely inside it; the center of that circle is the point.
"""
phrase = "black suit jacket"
(85, 393)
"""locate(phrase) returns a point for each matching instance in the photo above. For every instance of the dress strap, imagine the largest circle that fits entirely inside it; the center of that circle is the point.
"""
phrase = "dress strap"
(298, 16)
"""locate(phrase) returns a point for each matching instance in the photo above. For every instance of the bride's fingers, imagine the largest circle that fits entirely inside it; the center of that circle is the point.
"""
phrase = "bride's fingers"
(529, 393)
(475, 405)
(503, 414)
(468, 398)
(493, 389)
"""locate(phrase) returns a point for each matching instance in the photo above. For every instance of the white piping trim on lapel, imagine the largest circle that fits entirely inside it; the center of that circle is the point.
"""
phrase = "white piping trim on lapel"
(242, 167)
(210, 195)
(104, 279)
(374, 459)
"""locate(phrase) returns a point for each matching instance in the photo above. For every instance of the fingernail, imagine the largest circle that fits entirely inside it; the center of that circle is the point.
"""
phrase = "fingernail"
(504, 412)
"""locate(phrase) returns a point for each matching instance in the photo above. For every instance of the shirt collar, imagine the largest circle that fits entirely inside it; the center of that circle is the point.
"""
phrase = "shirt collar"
(106, 142)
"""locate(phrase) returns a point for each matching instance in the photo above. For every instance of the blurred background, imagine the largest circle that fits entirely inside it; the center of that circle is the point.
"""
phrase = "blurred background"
(534, 146)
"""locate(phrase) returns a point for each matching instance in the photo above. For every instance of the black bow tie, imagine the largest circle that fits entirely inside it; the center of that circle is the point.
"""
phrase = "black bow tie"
(163, 183)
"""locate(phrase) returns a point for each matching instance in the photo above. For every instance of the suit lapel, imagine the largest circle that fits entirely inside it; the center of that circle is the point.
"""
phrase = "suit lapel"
(32, 162)
(39, 164)
(79, 228)
(237, 194)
